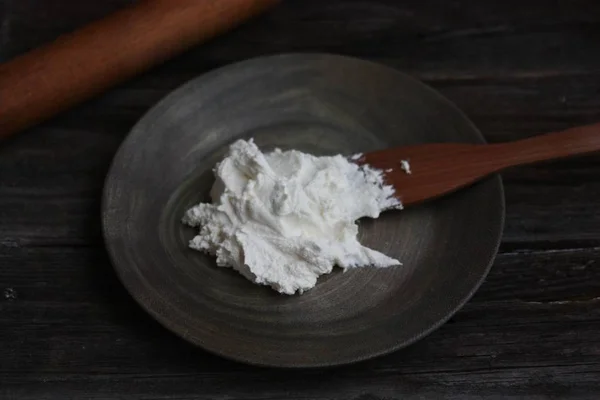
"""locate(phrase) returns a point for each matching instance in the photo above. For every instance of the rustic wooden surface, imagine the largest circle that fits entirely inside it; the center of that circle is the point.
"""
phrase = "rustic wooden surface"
(68, 329)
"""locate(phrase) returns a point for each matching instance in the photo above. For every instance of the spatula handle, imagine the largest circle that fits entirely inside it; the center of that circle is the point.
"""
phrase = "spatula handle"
(77, 66)
(571, 142)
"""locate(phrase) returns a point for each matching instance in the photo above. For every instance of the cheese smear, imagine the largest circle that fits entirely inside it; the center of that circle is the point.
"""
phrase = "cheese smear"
(282, 219)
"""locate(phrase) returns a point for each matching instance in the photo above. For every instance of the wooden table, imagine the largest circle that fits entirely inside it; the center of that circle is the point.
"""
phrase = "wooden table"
(68, 329)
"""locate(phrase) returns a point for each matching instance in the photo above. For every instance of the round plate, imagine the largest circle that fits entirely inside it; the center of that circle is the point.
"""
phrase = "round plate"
(321, 104)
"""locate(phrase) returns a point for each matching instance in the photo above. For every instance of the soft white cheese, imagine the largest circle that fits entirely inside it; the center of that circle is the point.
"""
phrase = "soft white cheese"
(284, 218)
(405, 165)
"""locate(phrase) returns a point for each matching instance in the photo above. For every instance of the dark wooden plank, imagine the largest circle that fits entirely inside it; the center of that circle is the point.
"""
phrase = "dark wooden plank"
(570, 382)
(419, 36)
(69, 314)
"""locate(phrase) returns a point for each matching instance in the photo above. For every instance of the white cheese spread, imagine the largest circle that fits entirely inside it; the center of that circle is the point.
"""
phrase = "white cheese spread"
(282, 219)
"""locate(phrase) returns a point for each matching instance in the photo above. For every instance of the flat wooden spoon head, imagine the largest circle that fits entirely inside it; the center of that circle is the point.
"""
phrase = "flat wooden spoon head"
(441, 168)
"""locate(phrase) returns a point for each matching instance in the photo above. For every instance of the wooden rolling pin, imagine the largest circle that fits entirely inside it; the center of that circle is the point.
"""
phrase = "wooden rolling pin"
(77, 66)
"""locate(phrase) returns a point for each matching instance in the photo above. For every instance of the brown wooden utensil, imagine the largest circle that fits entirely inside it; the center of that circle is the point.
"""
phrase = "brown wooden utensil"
(45, 81)
(440, 168)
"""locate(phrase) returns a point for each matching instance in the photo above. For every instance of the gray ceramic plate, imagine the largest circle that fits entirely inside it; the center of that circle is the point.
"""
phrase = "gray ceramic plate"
(322, 104)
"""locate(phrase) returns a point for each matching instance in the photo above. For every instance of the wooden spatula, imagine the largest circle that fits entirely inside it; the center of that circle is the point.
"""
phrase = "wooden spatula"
(440, 168)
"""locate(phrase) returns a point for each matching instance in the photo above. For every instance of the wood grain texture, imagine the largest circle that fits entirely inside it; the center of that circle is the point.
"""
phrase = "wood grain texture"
(516, 68)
